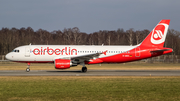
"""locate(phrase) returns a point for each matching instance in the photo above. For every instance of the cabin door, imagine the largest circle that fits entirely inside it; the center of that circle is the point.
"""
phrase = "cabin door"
(137, 52)
(27, 52)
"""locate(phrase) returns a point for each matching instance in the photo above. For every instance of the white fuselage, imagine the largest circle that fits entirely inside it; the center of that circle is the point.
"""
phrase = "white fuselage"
(52, 52)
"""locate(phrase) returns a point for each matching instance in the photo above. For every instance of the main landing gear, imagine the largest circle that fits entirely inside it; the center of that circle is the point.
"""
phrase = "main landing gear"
(84, 69)
(28, 69)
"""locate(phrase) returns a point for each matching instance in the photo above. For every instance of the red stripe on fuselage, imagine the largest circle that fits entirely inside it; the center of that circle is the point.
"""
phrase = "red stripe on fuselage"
(131, 55)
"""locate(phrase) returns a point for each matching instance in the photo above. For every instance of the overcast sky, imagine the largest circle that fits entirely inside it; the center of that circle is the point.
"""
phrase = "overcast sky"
(88, 15)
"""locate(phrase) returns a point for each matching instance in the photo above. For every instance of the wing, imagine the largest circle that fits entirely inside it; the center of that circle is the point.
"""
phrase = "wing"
(82, 58)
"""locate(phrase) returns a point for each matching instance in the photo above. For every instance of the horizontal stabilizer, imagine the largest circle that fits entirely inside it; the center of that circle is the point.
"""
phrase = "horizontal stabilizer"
(161, 50)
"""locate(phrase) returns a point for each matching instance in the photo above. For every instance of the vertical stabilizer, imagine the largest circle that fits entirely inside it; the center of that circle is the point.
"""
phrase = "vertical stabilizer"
(157, 36)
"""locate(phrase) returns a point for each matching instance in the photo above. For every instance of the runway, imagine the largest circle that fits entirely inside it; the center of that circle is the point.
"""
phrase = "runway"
(90, 73)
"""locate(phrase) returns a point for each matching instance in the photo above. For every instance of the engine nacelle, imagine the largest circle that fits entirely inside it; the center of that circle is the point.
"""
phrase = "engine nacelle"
(63, 64)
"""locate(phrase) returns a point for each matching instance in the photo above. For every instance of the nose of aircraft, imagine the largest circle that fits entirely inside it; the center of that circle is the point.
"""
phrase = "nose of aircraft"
(8, 56)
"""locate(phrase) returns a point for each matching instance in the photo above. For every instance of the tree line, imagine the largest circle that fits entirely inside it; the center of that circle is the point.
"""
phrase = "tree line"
(11, 38)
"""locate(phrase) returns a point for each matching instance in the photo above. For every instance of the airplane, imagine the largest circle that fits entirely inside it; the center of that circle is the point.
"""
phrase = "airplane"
(66, 56)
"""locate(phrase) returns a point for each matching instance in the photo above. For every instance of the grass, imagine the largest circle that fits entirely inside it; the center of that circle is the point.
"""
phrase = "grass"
(122, 66)
(90, 88)
(101, 88)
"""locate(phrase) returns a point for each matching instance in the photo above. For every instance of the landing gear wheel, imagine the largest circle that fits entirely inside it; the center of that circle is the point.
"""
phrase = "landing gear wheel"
(27, 69)
(84, 69)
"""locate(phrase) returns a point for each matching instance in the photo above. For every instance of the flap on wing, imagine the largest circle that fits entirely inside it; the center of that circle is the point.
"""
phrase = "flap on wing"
(160, 50)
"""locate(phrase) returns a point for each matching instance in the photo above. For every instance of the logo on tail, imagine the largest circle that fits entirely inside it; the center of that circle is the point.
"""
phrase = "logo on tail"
(159, 33)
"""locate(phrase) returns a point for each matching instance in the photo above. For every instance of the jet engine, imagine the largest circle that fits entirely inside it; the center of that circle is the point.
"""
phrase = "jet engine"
(63, 64)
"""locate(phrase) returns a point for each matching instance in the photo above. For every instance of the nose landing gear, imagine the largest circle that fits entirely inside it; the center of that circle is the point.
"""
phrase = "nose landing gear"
(28, 69)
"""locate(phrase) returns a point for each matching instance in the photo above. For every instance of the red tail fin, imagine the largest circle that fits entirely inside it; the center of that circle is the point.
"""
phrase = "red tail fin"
(157, 36)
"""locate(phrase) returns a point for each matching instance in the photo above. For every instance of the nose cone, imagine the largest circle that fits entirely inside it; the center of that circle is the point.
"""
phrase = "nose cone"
(8, 56)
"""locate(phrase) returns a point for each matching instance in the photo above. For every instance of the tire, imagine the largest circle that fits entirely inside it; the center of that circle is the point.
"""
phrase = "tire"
(84, 69)
(27, 69)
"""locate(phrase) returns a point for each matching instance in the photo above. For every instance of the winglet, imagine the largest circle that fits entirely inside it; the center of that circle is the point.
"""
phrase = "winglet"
(104, 52)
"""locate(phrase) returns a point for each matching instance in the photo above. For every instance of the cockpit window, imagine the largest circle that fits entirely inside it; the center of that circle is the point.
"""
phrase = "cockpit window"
(15, 51)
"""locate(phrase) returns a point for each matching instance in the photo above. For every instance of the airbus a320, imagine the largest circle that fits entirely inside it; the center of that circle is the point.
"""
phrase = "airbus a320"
(66, 56)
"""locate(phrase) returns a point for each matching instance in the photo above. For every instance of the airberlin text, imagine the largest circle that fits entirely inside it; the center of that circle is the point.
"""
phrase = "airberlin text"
(57, 51)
